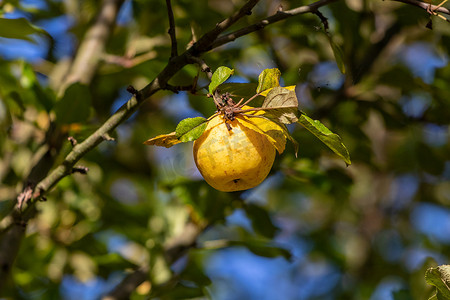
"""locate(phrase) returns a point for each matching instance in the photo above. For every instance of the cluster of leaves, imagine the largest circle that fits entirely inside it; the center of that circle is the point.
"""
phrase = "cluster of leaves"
(279, 107)
(440, 278)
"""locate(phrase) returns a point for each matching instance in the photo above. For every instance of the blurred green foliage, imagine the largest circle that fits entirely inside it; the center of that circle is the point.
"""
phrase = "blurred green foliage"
(372, 221)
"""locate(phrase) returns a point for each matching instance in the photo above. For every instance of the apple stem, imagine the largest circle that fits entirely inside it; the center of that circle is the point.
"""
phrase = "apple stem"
(248, 101)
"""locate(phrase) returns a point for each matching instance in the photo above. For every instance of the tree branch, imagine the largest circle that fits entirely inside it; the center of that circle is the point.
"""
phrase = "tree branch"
(159, 83)
(92, 47)
(426, 6)
(171, 31)
(278, 16)
(83, 68)
(204, 43)
(174, 249)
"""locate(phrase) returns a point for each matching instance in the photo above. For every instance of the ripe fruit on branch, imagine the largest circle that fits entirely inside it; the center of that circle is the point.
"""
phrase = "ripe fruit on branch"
(233, 159)
(234, 149)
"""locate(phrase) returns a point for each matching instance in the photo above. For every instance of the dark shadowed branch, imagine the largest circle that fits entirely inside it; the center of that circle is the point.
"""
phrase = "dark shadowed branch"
(171, 31)
(278, 16)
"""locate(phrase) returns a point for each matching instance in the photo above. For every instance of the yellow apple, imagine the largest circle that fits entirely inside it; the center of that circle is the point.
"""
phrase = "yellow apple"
(235, 159)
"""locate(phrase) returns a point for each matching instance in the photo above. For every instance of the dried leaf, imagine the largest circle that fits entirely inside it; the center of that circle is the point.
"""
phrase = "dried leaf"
(282, 105)
(163, 140)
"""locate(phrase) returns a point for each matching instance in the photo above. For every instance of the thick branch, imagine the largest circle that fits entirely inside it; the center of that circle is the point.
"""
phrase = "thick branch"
(93, 45)
(171, 32)
(84, 66)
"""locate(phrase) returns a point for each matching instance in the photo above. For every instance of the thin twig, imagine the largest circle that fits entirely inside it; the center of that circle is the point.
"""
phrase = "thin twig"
(203, 66)
(128, 62)
(278, 16)
(324, 20)
(173, 37)
(204, 43)
(440, 4)
(250, 99)
(426, 6)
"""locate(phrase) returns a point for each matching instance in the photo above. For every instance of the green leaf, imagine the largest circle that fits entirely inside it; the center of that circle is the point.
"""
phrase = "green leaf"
(263, 248)
(338, 55)
(282, 105)
(19, 28)
(269, 78)
(440, 278)
(190, 129)
(261, 221)
(219, 77)
(332, 140)
(74, 106)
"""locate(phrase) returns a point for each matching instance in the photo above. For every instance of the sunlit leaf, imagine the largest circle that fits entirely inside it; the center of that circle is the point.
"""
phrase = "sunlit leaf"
(190, 129)
(332, 140)
(19, 28)
(440, 278)
(163, 140)
(269, 78)
(291, 88)
(283, 105)
(255, 120)
(219, 77)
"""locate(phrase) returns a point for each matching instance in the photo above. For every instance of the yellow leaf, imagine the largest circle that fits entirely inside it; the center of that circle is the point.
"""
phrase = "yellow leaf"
(255, 121)
(291, 88)
(163, 140)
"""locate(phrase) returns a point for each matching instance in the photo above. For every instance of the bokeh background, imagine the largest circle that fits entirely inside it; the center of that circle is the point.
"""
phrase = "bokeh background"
(315, 229)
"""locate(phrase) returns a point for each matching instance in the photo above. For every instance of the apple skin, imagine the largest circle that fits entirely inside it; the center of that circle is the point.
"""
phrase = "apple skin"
(233, 160)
